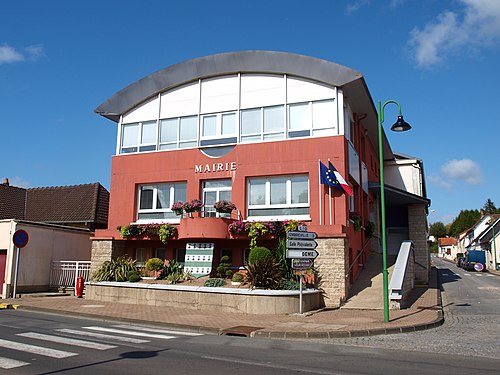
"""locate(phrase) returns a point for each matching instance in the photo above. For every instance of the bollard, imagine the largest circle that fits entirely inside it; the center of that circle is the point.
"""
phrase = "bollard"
(79, 286)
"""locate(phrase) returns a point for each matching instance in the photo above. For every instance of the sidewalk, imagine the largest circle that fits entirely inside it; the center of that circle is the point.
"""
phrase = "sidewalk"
(425, 312)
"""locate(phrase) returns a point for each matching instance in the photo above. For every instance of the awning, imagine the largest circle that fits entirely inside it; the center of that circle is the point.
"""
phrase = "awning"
(397, 197)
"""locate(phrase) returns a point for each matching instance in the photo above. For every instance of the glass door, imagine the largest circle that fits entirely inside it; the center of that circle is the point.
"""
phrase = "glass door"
(214, 191)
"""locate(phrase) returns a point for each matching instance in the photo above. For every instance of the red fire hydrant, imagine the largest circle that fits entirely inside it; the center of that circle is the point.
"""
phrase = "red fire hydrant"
(79, 286)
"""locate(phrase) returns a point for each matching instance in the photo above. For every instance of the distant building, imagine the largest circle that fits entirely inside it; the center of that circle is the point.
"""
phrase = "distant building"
(448, 248)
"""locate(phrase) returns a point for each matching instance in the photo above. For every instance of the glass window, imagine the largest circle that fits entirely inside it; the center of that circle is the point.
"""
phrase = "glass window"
(168, 130)
(188, 127)
(161, 253)
(130, 138)
(155, 200)
(280, 196)
(229, 123)
(250, 121)
(209, 125)
(148, 133)
(324, 114)
(273, 119)
(299, 117)
(214, 191)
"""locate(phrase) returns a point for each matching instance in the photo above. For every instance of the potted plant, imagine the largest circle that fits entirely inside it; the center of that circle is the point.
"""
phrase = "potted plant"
(177, 207)
(355, 219)
(193, 205)
(224, 206)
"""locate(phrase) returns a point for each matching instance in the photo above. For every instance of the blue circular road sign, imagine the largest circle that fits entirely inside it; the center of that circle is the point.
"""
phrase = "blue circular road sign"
(20, 238)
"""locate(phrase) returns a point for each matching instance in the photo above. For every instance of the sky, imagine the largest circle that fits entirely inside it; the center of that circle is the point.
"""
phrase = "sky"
(59, 60)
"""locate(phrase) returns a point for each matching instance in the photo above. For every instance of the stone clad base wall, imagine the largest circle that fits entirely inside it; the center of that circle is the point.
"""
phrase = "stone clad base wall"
(333, 264)
(204, 298)
(417, 227)
(103, 250)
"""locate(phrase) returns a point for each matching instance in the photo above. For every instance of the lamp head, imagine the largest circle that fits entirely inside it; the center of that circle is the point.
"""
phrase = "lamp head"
(401, 125)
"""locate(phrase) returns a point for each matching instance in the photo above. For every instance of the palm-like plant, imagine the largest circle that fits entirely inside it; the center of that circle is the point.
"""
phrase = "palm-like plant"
(264, 273)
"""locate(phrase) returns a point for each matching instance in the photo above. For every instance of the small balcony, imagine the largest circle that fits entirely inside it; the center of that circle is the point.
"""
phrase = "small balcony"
(204, 227)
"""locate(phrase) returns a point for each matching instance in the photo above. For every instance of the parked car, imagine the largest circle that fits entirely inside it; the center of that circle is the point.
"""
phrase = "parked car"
(475, 260)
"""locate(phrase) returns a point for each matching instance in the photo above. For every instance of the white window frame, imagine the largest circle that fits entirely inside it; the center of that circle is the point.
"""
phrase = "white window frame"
(178, 142)
(166, 210)
(263, 135)
(288, 204)
(217, 190)
(138, 145)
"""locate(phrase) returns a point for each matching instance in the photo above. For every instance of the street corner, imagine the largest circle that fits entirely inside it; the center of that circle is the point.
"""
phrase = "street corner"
(9, 306)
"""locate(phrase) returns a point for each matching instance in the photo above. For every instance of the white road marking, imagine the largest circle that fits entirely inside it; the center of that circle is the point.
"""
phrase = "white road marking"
(7, 363)
(170, 332)
(103, 336)
(68, 341)
(35, 349)
(130, 333)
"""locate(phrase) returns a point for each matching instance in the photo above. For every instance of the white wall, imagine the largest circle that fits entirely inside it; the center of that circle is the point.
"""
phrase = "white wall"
(46, 244)
(405, 175)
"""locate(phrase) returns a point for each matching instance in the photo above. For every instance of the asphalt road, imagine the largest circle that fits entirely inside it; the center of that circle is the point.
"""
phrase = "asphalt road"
(38, 343)
(471, 303)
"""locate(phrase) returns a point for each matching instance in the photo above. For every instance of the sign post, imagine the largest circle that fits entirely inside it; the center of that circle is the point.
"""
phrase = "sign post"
(20, 239)
(300, 246)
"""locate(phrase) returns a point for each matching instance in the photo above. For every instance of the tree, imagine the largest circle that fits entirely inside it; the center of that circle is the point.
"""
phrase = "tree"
(438, 230)
(465, 220)
(490, 208)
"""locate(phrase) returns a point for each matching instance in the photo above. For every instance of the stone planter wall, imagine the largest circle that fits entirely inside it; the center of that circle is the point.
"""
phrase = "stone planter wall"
(203, 298)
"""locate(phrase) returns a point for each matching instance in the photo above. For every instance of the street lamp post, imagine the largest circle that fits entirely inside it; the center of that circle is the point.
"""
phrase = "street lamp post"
(400, 126)
(494, 245)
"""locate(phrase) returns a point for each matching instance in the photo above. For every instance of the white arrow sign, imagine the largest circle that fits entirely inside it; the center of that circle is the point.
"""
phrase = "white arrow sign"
(301, 235)
(301, 254)
(301, 244)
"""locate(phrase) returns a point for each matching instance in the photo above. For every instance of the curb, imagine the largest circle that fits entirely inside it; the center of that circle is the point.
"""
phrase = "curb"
(8, 306)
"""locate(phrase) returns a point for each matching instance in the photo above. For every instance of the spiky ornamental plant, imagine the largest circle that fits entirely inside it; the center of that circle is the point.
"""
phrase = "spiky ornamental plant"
(264, 273)
(115, 269)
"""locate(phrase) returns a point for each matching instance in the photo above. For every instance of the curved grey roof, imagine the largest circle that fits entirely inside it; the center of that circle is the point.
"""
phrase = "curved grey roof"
(237, 62)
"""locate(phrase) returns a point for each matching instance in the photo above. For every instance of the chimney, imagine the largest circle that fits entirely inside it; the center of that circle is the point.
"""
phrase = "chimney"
(6, 182)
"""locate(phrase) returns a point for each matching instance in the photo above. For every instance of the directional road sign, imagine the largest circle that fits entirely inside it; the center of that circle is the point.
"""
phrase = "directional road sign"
(301, 244)
(301, 235)
(301, 254)
(302, 263)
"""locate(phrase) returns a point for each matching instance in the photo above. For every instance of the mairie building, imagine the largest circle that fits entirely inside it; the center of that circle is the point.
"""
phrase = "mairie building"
(255, 128)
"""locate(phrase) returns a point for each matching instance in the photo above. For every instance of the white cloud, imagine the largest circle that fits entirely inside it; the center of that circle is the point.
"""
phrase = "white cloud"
(476, 25)
(465, 170)
(356, 5)
(439, 181)
(11, 55)
(19, 182)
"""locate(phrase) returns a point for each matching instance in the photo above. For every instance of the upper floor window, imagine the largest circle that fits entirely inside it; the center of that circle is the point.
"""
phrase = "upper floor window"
(138, 137)
(266, 123)
(312, 118)
(155, 200)
(279, 196)
(180, 132)
(219, 128)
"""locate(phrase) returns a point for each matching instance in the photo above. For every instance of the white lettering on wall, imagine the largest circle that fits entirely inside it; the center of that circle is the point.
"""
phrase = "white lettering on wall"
(215, 167)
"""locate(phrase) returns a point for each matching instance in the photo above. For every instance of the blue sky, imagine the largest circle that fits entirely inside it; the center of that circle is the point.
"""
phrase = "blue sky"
(60, 59)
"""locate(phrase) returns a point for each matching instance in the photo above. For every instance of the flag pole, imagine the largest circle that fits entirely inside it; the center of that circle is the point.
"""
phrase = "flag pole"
(330, 198)
(319, 192)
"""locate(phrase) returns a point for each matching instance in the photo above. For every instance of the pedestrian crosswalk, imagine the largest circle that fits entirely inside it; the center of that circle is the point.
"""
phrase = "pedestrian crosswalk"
(89, 337)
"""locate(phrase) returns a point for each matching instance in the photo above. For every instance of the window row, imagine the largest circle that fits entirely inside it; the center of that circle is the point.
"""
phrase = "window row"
(251, 125)
(273, 197)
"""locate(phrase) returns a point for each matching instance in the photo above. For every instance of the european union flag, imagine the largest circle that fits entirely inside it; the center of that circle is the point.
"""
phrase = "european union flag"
(327, 177)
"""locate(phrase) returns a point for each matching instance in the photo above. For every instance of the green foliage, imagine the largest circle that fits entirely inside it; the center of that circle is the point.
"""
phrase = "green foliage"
(223, 268)
(124, 231)
(264, 273)
(154, 264)
(238, 277)
(133, 276)
(434, 247)
(490, 208)
(170, 267)
(115, 269)
(438, 230)
(286, 284)
(255, 230)
(257, 253)
(280, 255)
(465, 220)
(166, 232)
(214, 282)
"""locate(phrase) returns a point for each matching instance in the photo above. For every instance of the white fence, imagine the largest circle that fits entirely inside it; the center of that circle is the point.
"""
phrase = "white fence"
(63, 273)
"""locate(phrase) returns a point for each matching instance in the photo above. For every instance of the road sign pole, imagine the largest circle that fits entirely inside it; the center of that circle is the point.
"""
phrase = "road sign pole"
(301, 277)
(17, 271)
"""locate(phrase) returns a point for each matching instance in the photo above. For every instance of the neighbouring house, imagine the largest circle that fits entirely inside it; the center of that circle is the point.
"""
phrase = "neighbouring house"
(448, 248)
(479, 237)
(59, 221)
(263, 130)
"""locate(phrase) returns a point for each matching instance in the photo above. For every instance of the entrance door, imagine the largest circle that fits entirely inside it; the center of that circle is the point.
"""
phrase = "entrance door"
(3, 263)
(213, 191)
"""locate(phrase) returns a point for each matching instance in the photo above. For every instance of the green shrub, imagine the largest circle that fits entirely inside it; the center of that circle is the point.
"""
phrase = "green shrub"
(214, 282)
(115, 269)
(166, 232)
(170, 267)
(264, 273)
(133, 276)
(286, 284)
(259, 253)
(238, 277)
(223, 268)
(154, 264)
